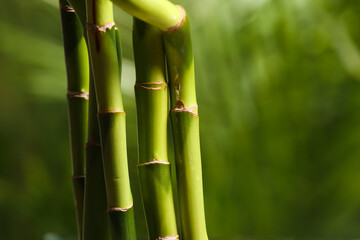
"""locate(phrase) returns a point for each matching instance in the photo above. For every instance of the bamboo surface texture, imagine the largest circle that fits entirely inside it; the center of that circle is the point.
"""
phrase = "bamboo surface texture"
(184, 110)
(151, 93)
(105, 52)
(185, 131)
(96, 223)
(77, 68)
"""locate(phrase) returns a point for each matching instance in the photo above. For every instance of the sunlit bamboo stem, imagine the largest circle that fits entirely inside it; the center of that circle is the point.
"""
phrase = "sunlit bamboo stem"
(105, 52)
(152, 113)
(174, 23)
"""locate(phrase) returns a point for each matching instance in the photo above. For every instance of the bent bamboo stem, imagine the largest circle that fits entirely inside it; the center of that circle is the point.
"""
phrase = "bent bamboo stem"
(152, 113)
(77, 68)
(174, 23)
(105, 52)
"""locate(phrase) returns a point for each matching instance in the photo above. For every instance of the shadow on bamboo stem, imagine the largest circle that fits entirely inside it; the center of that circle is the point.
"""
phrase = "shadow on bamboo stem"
(185, 129)
(105, 52)
(174, 23)
(96, 224)
(152, 113)
(77, 68)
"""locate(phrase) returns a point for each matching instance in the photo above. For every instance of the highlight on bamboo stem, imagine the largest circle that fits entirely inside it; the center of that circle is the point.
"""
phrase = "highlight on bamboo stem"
(77, 68)
(96, 224)
(185, 131)
(152, 113)
(184, 111)
(105, 52)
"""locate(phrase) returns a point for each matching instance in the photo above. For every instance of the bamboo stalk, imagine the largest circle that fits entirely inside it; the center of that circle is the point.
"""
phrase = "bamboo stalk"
(96, 224)
(77, 68)
(184, 109)
(105, 52)
(152, 113)
(185, 131)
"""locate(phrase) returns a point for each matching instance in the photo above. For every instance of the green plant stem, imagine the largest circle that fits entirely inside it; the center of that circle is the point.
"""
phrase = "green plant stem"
(185, 131)
(159, 13)
(96, 224)
(184, 110)
(77, 68)
(105, 52)
(152, 113)
(80, 9)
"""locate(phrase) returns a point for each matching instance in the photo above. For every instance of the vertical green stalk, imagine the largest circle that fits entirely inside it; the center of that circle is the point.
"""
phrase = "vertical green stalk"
(175, 25)
(105, 52)
(77, 68)
(152, 113)
(96, 224)
(185, 131)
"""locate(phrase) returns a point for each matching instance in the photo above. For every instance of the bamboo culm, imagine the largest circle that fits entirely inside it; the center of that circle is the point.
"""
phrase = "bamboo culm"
(185, 131)
(105, 52)
(184, 110)
(94, 221)
(77, 68)
(152, 113)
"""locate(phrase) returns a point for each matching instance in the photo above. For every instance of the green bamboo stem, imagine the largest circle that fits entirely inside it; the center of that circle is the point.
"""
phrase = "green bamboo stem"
(96, 224)
(80, 9)
(159, 13)
(185, 131)
(184, 110)
(105, 52)
(77, 68)
(152, 113)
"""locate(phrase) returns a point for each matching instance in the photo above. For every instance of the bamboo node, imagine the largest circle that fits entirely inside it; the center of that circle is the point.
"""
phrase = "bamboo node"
(111, 112)
(101, 28)
(92, 143)
(118, 209)
(146, 85)
(66, 8)
(154, 161)
(180, 107)
(177, 26)
(78, 176)
(172, 237)
(84, 95)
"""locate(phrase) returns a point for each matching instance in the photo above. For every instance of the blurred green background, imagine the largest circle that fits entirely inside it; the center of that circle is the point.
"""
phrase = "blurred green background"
(278, 85)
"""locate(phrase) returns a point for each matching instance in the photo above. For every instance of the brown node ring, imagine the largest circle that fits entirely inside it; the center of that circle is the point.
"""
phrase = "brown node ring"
(101, 28)
(92, 143)
(154, 161)
(118, 209)
(146, 85)
(84, 95)
(177, 26)
(110, 112)
(180, 107)
(78, 177)
(173, 237)
(66, 8)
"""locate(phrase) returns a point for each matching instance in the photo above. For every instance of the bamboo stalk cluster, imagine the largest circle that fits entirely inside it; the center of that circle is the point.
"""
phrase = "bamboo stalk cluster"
(164, 69)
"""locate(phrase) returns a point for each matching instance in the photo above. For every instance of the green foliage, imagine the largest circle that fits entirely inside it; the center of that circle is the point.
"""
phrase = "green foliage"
(278, 93)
